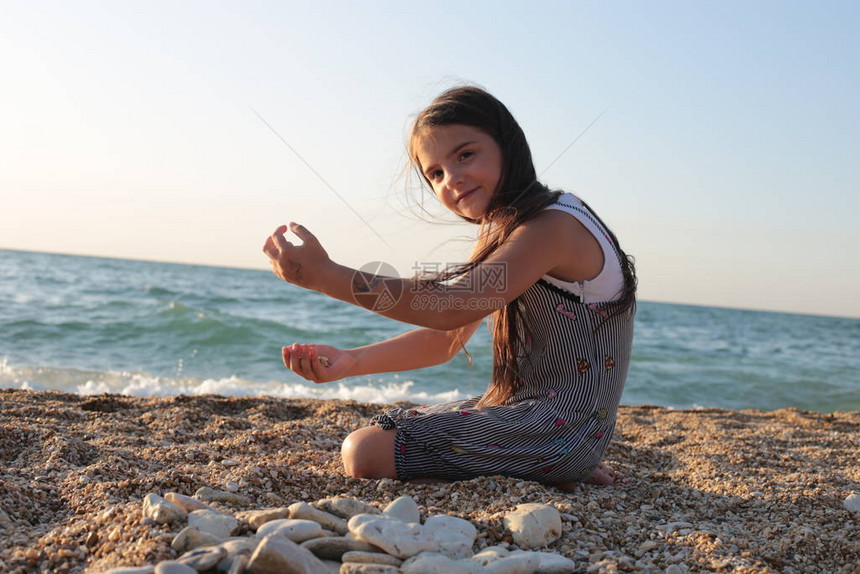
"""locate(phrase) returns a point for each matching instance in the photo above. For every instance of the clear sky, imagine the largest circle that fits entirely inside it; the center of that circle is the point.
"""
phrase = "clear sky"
(726, 160)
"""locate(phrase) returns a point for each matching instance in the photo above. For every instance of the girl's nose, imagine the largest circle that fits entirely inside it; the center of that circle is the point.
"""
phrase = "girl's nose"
(454, 178)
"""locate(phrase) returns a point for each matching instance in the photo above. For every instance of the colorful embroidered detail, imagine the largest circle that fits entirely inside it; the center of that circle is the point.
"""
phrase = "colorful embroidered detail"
(494, 446)
(582, 365)
(599, 434)
(551, 393)
(569, 314)
(558, 441)
(516, 422)
(521, 381)
(598, 310)
(559, 422)
(547, 468)
(457, 449)
(565, 450)
(464, 413)
(403, 449)
(600, 414)
(608, 363)
(413, 412)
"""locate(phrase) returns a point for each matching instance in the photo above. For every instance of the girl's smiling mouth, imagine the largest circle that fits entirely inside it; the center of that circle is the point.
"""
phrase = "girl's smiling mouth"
(467, 194)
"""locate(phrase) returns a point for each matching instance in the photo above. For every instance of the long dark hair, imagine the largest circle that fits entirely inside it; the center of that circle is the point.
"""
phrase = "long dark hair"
(520, 197)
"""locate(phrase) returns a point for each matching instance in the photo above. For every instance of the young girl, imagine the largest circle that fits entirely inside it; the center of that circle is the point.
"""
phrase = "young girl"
(562, 299)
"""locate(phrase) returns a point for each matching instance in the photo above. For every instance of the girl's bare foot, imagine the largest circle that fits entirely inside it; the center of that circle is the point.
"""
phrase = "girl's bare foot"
(601, 476)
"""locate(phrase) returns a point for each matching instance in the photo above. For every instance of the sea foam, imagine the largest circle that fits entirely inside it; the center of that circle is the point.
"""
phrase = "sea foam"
(382, 391)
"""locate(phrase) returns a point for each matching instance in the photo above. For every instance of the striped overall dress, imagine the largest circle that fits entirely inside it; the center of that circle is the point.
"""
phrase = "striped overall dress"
(557, 425)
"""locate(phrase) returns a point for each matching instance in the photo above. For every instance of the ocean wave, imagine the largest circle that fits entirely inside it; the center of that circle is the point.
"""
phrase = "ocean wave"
(382, 391)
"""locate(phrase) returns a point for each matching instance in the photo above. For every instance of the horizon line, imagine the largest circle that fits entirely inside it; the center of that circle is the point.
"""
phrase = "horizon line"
(264, 269)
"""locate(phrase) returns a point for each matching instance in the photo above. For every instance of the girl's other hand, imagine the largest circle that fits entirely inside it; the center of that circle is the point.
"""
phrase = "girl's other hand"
(302, 265)
(305, 361)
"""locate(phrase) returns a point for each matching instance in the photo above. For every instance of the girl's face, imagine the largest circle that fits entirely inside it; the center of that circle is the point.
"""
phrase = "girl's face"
(463, 165)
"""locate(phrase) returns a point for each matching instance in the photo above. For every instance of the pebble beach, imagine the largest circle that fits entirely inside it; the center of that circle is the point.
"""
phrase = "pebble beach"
(704, 490)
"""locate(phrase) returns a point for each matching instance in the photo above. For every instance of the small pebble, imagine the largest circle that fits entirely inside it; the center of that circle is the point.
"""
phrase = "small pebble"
(211, 495)
(370, 558)
(328, 521)
(403, 508)
(203, 558)
(257, 518)
(173, 567)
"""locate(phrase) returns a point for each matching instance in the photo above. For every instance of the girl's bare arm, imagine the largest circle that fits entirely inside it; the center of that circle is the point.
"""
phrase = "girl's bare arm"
(533, 249)
(412, 350)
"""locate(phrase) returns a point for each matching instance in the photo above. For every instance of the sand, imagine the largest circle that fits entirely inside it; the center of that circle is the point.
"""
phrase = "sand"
(704, 490)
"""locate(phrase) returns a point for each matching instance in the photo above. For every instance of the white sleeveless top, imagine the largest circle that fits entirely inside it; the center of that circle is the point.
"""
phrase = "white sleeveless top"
(609, 283)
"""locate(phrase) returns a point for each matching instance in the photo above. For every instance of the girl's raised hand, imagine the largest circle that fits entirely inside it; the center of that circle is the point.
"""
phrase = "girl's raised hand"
(317, 363)
(302, 265)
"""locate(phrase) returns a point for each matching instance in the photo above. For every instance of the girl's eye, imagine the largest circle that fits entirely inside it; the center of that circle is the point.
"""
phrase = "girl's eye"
(466, 155)
(436, 174)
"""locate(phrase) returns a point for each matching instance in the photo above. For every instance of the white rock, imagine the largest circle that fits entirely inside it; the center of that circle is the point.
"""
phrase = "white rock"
(370, 558)
(550, 562)
(533, 525)
(237, 564)
(215, 523)
(162, 511)
(326, 520)
(333, 548)
(344, 507)
(191, 537)
(514, 564)
(172, 567)
(212, 495)
(490, 554)
(497, 560)
(257, 518)
(434, 563)
(359, 568)
(277, 554)
(670, 526)
(852, 503)
(451, 536)
(186, 502)
(403, 508)
(673, 569)
(394, 536)
(203, 558)
(295, 529)
(240, 546)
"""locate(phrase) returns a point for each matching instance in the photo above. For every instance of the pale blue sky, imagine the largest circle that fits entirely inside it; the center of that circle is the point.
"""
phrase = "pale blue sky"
(726, 159)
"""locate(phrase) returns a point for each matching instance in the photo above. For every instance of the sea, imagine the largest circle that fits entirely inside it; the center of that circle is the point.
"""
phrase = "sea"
(91, 325)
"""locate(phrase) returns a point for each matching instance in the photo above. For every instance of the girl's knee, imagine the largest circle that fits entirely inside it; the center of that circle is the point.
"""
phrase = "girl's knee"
(369, 453)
